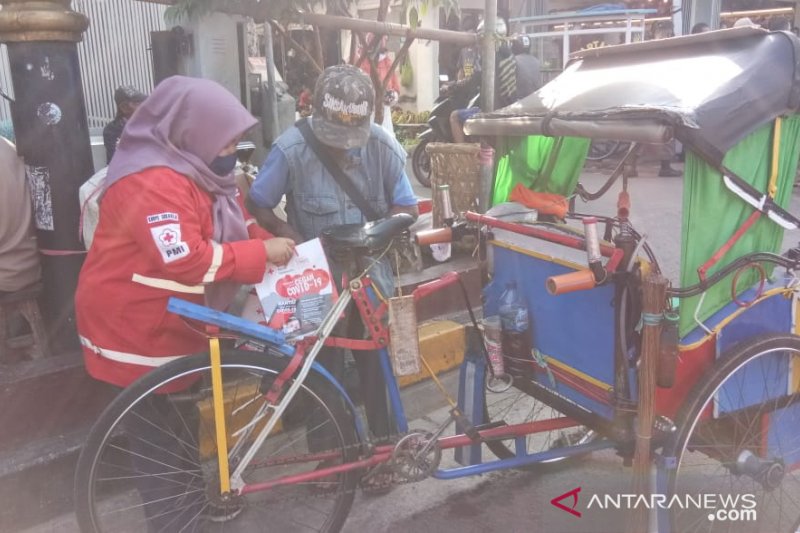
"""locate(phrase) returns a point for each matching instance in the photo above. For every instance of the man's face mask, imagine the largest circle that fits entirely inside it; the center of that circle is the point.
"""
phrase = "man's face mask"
(223, 165)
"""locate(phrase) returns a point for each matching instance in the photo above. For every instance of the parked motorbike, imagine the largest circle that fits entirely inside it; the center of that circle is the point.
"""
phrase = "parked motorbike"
(439, 129)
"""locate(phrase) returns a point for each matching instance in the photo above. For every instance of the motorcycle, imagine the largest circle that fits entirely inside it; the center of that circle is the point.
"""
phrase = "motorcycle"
(439, 129)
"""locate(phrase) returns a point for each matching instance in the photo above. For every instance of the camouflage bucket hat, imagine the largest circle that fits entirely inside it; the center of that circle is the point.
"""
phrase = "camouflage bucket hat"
(343, 104)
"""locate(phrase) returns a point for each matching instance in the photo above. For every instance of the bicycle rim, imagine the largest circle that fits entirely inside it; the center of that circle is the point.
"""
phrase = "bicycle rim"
(150, 463)
(516, 407)
(739, 440)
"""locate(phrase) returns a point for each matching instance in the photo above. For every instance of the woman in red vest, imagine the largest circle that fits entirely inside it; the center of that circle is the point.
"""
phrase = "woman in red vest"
(170, 225)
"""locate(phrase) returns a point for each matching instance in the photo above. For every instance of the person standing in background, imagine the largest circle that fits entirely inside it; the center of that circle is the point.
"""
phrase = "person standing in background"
(777, 23)
(469, 57)
(127, 100)
(19, 255)
(529, 77)
(383, 64)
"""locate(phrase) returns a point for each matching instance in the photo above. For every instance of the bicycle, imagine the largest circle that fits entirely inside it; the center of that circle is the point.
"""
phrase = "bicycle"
(272, 423)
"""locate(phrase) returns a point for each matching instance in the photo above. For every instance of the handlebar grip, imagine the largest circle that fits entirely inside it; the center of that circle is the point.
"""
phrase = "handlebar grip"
(574, 281)
(434, 236)
(425, 289)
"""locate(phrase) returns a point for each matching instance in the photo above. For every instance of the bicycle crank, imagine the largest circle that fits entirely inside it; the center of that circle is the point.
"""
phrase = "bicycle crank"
(416, 456)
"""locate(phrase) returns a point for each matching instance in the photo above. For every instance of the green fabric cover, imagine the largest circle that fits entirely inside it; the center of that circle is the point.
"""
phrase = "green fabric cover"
(712, 213)
(543, 164)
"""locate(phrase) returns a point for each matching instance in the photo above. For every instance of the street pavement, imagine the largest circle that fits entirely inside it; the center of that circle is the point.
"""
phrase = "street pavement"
(519, 500)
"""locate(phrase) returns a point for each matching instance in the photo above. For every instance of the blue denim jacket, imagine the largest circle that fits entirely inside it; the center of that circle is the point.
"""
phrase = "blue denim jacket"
(315, 201)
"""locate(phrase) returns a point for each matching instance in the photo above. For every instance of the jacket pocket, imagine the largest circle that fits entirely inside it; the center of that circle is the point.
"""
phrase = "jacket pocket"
(319, 205)
(318, 212)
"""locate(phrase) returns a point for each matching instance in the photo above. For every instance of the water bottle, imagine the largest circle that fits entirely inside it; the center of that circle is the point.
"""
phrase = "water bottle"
(516, 329)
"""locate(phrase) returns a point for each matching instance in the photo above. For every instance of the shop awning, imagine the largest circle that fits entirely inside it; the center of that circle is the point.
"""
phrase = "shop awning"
(708, 90)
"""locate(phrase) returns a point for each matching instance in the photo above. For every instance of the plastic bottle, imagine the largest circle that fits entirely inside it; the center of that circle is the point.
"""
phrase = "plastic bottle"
(516, 328)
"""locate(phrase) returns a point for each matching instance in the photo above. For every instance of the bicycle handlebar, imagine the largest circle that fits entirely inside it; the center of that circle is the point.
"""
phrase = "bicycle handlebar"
(579, 280)
(434, 236)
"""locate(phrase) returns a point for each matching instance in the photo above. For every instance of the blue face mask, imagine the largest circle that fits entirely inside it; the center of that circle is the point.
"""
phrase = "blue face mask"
(223, 165)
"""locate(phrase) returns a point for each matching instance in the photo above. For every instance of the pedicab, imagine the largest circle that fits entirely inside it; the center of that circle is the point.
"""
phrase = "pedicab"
(726, 413)
(698, 377)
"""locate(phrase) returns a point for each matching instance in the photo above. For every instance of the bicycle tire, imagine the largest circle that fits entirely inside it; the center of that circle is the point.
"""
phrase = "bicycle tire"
(697, 440)
(421, 164)
(536, 442)
(108, 432)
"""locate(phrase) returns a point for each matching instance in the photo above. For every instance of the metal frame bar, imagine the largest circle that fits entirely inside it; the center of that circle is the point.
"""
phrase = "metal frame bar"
(523, 460)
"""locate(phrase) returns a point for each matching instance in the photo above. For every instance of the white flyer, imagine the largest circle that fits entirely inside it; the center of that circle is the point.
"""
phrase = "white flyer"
(296, 297)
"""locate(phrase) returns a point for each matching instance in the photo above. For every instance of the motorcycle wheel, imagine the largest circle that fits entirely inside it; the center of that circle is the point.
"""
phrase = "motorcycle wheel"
(421, 164)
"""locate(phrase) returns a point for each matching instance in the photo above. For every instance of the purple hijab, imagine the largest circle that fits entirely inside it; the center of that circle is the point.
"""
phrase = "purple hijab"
(183, 125)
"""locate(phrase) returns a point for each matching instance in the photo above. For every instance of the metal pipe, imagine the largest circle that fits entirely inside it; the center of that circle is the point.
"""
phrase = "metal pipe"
(387, 28)
(488, 56)
(518, 461)
(272, 94)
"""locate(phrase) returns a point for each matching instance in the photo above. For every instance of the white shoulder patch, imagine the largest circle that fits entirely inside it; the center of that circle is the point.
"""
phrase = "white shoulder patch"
(168, 242)
(162, 217)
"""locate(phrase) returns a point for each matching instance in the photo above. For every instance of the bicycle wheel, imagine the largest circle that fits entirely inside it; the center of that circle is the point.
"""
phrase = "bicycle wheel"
(150, 460)
(421, 164)
(739, 434)
(516, 407)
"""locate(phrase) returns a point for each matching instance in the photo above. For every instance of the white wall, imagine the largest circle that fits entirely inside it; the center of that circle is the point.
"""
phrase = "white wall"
(216, 51)
(425, 60)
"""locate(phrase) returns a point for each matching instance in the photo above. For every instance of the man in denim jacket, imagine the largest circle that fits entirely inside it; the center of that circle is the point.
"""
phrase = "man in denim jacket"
(374, 161)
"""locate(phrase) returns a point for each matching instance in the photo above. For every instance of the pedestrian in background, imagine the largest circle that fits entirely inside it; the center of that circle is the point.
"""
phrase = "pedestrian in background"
(19, 255)
(127, 99)
(469, 57)
(505, 92)
(777, 23)
(529, 77)
(383, 64)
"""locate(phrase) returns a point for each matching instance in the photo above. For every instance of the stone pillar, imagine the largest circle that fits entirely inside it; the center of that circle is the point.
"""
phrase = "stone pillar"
(49, 116)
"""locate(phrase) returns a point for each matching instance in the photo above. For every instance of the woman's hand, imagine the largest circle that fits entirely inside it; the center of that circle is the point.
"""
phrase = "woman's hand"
(279, 250)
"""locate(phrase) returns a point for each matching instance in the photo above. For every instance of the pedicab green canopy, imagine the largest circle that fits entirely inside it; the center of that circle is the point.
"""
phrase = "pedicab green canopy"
(729, 96)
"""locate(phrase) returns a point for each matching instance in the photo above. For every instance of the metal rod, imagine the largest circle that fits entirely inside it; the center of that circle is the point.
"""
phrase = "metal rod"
(314, 475)
(325, 329)
(507, 432)
(219, 416)
(515, 462)
(488, 56)
(272, 94)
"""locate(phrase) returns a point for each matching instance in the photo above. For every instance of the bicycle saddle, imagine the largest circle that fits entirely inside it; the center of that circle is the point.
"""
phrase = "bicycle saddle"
(366, 238)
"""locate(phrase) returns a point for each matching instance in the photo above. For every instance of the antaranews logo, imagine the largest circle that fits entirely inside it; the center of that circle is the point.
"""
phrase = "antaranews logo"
(569, 495)
(720, 507)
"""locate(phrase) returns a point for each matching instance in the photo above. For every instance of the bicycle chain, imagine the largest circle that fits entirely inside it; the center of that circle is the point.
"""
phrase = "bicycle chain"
(396, 480)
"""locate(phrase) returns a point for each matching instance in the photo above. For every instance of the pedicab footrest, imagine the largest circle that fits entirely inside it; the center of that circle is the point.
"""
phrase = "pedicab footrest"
(229, 322)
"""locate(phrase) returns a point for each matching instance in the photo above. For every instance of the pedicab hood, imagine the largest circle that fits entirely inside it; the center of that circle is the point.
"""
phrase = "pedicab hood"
(708, 90)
